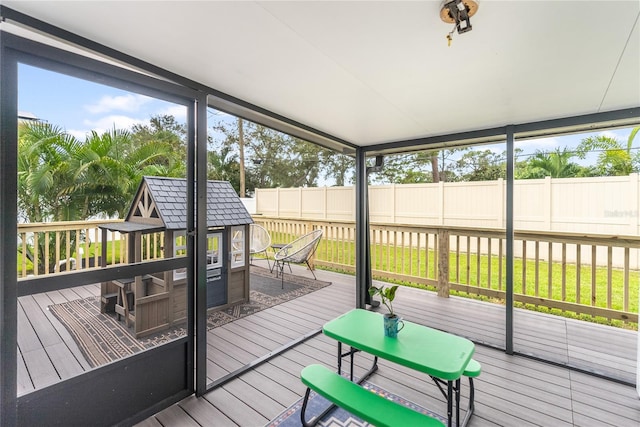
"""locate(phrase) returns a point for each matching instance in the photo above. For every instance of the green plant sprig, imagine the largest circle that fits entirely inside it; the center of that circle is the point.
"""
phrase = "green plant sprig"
(386, 296)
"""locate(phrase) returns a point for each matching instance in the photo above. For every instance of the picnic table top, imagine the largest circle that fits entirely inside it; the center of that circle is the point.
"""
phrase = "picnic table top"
(424, 349)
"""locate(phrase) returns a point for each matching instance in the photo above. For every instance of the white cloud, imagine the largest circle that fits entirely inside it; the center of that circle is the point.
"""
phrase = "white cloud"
(80, 135)
(615, 135)
(128, 103)
(538, 144)
(495, 149)
(177, 111)
(114, 121)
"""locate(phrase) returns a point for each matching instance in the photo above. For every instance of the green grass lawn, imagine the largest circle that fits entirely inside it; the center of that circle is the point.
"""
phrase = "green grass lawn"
(111, 246)
(412, 262)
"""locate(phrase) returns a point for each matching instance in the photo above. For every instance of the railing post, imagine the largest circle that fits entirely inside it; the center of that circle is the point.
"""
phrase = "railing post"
(443, 263)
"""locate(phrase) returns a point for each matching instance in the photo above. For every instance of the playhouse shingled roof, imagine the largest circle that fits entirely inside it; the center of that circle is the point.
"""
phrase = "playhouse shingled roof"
(224, 207)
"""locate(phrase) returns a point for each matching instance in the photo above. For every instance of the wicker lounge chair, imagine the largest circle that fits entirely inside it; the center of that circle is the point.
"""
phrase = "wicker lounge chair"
(299, 251)
(260, 241)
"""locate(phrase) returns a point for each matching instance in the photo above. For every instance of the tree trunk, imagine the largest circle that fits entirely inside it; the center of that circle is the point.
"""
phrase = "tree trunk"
(241, 148)
(434, 167)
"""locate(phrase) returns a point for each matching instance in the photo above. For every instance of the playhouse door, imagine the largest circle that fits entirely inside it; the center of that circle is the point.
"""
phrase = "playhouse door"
(216, 280)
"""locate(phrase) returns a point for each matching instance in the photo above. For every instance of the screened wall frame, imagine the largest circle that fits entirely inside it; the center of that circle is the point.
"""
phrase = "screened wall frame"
(127, 373)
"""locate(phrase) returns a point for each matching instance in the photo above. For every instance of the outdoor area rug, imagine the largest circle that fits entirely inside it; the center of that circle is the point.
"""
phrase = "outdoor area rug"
(103, 339)
(290, 417)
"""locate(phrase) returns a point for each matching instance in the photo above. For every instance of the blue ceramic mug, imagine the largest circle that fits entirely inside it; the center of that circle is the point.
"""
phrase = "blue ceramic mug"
(392, 325)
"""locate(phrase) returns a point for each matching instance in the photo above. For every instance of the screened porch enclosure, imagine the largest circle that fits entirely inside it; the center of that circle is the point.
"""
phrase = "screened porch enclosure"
(382, 81)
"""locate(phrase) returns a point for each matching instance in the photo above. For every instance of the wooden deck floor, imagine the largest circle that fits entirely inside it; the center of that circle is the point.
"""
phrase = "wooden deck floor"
(47, 353)
(512, 390)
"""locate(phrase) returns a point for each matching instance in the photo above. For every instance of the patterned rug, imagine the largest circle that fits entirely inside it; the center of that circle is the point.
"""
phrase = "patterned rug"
(103, 339)
(338, 417)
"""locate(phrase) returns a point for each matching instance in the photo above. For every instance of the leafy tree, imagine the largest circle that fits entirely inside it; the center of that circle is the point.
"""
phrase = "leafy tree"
(164, 129)
(337, 166)
(441, 162)
(276, 159)
(485, 165)
(413, 168)
(223, 165)
(402, 169)
(243, 181)
(614, 159)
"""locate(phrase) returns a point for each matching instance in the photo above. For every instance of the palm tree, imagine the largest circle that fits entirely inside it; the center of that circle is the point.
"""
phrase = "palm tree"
(614, 159)
(632, 135)
(223, 166)
(556, 164)
(108, 169)
(45, 178)
(45, 183)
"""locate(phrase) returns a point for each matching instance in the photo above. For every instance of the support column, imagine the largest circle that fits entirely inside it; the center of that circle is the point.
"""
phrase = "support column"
(197, 241)
(509, 239)
(361, 229)
(8, 233)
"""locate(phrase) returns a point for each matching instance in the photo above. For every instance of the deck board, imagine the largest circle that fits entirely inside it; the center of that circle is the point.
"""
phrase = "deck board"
(41, 370)
(242, 348)
(67, 346)
(259, 401)
(203, 412)
(512, 390)
(27, 337)
(237, 409)
(176, 416)
(47, 334)
(24, 380)
(222, 358)
(268, 386)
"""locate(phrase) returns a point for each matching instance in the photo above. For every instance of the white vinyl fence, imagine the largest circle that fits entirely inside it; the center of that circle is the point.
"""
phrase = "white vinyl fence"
(602, 205)
(593, 206)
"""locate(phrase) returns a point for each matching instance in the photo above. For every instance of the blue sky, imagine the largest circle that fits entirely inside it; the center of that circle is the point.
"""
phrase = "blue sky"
(79, 106)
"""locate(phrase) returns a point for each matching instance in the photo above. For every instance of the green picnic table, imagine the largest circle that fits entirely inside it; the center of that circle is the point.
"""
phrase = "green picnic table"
(442, 356)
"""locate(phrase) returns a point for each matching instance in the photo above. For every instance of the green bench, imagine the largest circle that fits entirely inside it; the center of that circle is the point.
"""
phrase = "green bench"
(359, 401)
(472, 371)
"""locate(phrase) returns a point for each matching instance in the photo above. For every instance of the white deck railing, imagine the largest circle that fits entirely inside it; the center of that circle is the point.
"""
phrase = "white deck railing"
(565, 271)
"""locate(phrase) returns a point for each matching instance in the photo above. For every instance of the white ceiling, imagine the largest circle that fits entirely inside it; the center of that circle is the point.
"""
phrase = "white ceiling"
(371, 72)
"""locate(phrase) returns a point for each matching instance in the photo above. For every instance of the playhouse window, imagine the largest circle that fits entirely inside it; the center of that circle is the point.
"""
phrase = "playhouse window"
(237, 247)
(214, 246)
(180, 249)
